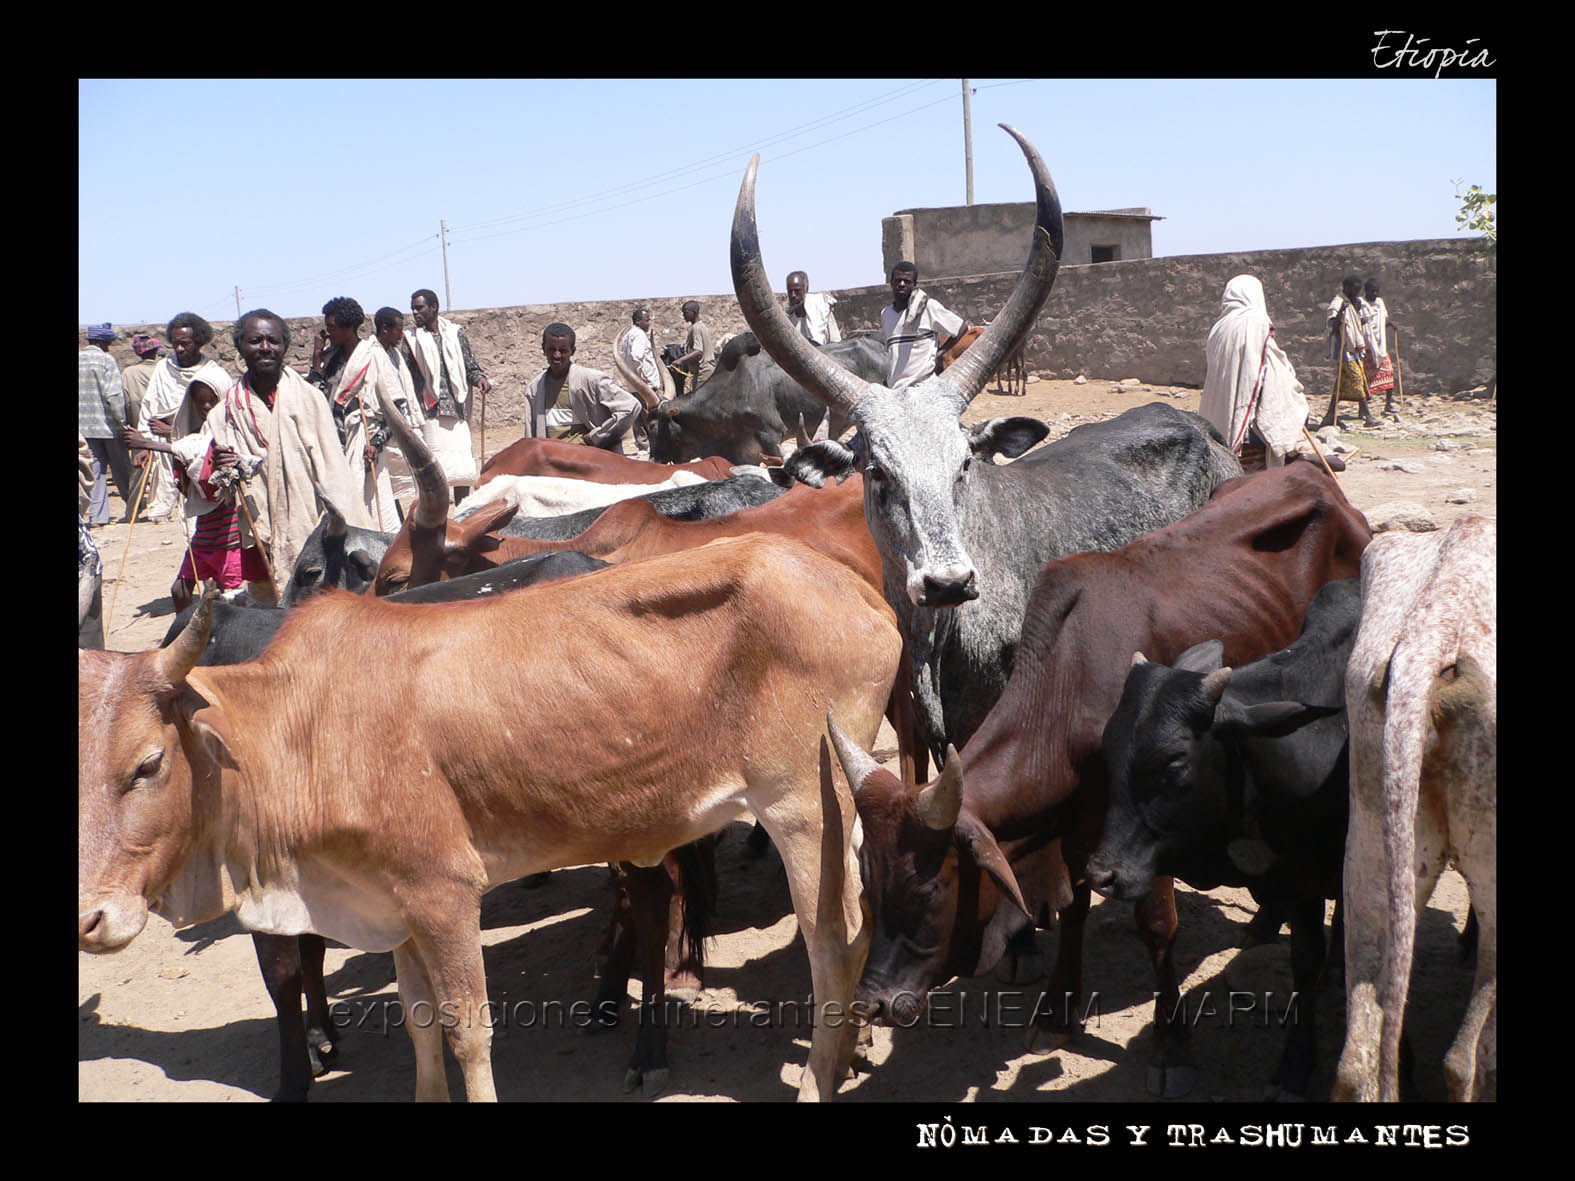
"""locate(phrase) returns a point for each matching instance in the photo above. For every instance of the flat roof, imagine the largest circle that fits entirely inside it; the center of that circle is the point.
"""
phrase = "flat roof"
(1131, 213)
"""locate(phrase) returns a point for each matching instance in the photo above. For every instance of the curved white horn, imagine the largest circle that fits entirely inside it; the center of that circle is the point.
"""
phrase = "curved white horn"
(805, 364)
(1008, 330)
(939, 804)
(857, 765)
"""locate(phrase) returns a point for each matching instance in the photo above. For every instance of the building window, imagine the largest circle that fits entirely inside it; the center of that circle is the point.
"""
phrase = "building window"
(1105, 253)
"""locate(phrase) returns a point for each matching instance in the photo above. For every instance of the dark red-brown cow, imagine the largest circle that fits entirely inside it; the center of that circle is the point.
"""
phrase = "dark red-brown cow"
(575, 461)
(955, 869)
(1011, 377)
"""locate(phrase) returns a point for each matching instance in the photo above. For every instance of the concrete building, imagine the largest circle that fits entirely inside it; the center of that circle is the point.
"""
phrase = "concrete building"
(982, 239)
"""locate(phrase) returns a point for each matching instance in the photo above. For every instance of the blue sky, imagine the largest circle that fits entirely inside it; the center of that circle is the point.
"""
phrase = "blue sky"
(563, 190)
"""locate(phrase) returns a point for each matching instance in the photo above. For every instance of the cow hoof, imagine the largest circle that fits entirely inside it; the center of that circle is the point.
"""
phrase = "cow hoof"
(323, 1057)
(1041, 1040)
(649, 1083)
(1172, 1082)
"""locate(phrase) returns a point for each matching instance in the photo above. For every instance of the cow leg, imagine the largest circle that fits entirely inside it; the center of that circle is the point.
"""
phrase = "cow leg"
(1301, 1039)
(1171, 1072)
(1264, 927)
(621, 942)
(279, 958)
(823, 878)
(446, 929)
(1366, 897)
(1056, 1019)
(417, 999)
(650, 891)
(319, 1042)
(1471, 1065)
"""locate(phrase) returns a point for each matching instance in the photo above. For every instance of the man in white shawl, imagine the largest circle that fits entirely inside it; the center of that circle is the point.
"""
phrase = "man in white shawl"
(277, 433)
(188, 334)
(444, 369)
(1251, 387)
(376, 364)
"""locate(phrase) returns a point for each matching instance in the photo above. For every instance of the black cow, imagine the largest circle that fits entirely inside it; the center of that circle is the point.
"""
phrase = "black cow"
(336, 554)
(293, 964)
(750, 404)
(1240, 778)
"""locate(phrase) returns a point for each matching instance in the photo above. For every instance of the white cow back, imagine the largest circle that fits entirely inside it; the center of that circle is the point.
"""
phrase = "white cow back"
(552, 496)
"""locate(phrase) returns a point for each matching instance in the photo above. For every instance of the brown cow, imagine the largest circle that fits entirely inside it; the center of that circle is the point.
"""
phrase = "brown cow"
(956, 869)
(575, 461)
(699, 685)
(1421, 697)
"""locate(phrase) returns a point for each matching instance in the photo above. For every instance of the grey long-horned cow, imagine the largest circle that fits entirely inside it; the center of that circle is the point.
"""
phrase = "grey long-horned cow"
(962, 539)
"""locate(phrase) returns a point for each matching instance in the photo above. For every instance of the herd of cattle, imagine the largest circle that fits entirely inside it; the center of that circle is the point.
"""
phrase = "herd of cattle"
(1130, 663)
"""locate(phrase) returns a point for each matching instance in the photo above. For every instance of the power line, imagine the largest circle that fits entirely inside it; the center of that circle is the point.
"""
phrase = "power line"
(343, 274)
(729, 173)
(729, 156)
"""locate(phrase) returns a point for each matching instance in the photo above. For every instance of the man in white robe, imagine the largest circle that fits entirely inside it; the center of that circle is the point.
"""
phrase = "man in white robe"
(277, 431)
(810, 311)
(188, 335)
(444, 369)
(916, 329)
(375, 364)
(1251, 386)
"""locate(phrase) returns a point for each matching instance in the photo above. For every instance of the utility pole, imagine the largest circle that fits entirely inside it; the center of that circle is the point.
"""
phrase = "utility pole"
(968, 137)
(448, 299)
(237, 303)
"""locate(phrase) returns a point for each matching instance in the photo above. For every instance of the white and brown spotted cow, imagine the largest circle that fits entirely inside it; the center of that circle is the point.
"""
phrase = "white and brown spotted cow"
(1421, 701)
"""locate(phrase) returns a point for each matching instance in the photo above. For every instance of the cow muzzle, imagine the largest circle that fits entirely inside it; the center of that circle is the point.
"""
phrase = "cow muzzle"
(109, 925)
(947, 586)
(1116, 881)
(892, 1007)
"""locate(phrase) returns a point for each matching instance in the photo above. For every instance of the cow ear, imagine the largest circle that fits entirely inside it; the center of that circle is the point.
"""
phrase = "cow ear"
(486, 519)
(1268, 719)
(1202, 658)
(812, 465)
(972, 836)
(208, 724)
(1006, 436)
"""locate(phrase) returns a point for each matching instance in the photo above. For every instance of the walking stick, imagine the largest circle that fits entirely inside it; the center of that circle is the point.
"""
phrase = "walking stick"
(240, 498)
(1399, 381)
(1317, 451)
(142, 486)
(482, 394)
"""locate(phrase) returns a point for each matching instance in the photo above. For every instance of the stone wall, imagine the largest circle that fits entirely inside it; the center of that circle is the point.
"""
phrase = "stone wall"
(1144, 318)
(1149, 318)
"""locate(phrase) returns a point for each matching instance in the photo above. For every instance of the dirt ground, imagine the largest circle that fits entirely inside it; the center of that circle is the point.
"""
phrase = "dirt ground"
(183, 1015)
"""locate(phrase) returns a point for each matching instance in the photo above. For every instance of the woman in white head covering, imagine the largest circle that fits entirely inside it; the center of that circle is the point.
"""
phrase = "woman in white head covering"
(1251, 387)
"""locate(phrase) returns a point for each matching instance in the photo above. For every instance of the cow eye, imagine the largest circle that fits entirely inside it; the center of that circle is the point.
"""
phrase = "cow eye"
(310, 575)
(874, 473)
(147, 769)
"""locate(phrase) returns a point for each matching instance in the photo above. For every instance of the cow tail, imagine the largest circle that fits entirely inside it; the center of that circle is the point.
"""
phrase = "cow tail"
(1414, 666)
(697, 863)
